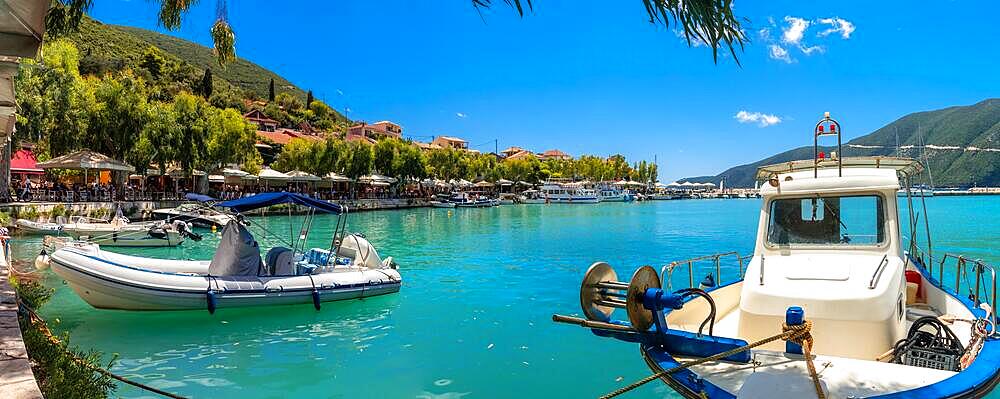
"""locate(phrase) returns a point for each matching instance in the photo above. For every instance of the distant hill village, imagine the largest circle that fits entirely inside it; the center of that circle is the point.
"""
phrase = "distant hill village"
(272, 137)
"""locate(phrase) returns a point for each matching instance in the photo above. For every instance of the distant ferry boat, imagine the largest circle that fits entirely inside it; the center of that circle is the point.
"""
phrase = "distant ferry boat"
(568, 194)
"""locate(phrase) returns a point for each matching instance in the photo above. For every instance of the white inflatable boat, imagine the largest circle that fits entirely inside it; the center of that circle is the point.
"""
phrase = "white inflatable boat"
(40, 228)
(120, 232)
(236, 276)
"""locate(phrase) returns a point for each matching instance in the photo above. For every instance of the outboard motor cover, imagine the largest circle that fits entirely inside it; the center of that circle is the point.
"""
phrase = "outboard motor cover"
(361, 250)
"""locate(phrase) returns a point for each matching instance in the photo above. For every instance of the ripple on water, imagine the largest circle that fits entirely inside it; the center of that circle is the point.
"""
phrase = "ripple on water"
(480, 288)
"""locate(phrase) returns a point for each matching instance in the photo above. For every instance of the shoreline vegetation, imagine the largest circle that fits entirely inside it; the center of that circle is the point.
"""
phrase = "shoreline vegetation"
(61, 370)
(157, 112)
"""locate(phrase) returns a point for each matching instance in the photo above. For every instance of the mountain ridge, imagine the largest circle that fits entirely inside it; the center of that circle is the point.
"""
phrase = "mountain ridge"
(960, 145)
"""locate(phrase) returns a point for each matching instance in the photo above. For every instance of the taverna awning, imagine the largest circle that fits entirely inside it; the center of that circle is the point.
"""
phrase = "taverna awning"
(233, 172)
(336, 177)
(484, 184)
(298, 175)
(85, 160)
(271, 174)
(505, 182)
(264, 200)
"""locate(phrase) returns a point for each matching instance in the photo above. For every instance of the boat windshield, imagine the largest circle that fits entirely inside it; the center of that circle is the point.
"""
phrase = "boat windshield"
(827, 220)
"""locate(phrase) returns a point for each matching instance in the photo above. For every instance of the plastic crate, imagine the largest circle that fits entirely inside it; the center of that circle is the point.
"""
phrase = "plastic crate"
(931, 358)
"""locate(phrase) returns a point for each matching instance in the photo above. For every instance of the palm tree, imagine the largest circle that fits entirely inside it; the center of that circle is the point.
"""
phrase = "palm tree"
(709, 22)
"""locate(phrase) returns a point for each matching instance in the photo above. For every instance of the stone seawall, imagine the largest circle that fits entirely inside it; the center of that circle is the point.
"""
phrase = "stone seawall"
(16, 379)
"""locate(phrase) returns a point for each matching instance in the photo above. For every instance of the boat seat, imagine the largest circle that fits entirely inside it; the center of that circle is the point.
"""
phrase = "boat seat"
(280, 262)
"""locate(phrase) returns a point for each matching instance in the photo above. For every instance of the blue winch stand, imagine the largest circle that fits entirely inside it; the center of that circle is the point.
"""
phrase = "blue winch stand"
(675, 342)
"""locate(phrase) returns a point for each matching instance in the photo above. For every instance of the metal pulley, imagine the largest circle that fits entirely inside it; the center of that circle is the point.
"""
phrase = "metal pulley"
(641, 297)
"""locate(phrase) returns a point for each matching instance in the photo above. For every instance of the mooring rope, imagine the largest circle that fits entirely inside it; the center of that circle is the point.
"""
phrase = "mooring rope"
(34, 318)
(795, 333)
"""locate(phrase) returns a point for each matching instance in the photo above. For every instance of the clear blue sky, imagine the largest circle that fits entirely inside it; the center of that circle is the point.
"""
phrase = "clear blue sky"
(594, 77)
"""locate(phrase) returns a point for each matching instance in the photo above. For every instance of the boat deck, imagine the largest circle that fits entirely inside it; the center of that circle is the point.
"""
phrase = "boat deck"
(841, 377)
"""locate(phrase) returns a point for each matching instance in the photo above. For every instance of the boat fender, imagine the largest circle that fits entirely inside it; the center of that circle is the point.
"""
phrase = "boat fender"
(42, 261)
(315, 295)
(210, 296)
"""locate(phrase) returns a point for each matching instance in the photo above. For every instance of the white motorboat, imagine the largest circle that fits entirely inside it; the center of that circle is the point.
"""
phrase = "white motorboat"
(237, 275)
(197, 214)
(442, 204)
(568, 193)
(39, 228)
(830, 262)
(121, 233)
(532, 197)
(614, 195)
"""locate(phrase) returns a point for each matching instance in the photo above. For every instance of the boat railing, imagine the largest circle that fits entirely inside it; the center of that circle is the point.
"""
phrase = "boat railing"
(667, 271)
(983, 290)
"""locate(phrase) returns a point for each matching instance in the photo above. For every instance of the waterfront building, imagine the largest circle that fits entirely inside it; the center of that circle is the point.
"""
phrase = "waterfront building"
(554, 154)
(511, 151)
(374, 131)
(257, 117)
(523, 154)
(451, 142)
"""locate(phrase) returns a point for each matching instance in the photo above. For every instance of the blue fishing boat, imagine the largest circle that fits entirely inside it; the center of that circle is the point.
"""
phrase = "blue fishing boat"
(833, 303)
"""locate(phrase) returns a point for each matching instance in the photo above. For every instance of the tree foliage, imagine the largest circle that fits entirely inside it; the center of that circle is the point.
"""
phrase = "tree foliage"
(709, 22)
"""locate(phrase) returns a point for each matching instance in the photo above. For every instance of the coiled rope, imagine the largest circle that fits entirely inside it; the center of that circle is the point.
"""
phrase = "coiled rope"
(799, 334)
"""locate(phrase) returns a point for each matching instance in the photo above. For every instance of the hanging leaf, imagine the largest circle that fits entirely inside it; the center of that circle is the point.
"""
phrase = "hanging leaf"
(225, 42)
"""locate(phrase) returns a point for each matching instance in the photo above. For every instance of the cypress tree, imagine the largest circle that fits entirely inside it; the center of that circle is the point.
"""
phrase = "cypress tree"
(270, 91)
(309, 98)
(206, 83)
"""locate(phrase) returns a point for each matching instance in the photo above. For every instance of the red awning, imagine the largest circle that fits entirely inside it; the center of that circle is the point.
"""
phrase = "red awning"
(24, 162)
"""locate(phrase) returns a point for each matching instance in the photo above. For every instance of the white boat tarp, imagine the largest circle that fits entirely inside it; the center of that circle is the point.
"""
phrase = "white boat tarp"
(238, 253)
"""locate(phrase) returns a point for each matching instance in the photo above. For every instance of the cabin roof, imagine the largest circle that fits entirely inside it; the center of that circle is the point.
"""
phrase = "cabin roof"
(903, 166)
(828, 181)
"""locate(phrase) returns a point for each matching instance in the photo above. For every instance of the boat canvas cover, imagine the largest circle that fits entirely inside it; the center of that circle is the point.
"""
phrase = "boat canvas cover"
(198, 197)
(238, 253)
(264, 200)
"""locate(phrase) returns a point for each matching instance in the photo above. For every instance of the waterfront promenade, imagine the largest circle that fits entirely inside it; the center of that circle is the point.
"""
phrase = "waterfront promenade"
(16, 379)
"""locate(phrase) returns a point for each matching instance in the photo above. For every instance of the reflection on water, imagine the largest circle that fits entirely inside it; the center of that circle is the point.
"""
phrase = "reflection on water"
(472, 318)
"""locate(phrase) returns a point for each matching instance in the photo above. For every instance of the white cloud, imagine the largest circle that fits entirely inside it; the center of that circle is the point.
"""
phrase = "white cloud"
(795, 30)
(460, 115)
(779, 53)
(837, 24)
(811, 49)
(761, 119)
(765, 34)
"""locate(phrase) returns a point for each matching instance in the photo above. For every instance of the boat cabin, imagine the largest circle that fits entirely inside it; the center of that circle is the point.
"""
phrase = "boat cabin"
(829, 241)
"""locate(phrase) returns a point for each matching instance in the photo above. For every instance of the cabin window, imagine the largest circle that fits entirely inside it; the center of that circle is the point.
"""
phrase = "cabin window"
(833, 220)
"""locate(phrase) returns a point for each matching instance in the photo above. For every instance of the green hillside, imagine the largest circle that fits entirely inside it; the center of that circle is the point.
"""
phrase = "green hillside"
(241, 73)
(123, 45)
(976, 125)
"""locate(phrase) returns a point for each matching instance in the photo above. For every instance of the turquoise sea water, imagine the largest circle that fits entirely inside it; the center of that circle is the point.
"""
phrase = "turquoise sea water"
(473, 317)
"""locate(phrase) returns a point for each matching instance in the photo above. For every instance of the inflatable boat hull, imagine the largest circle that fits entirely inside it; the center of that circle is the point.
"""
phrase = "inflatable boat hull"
(105, 284)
